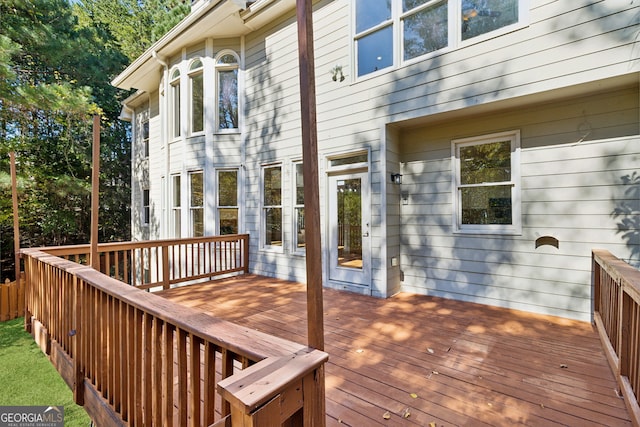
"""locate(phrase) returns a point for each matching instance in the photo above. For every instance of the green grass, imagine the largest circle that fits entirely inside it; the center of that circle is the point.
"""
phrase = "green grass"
(27, 378)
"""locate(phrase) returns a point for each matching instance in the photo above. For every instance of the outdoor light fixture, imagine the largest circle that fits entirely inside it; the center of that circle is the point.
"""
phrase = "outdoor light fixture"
(336, 73)
(396, 178)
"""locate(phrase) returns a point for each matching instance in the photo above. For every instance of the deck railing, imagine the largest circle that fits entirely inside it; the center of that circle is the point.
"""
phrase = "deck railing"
(134, 358)
(616, 287)
(163, 263)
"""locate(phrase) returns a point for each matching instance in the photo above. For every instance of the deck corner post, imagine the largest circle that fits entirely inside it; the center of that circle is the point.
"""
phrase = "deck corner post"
(245, 242)
(314, 409)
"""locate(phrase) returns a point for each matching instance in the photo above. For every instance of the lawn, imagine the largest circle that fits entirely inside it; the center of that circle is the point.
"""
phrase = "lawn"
(27, 377)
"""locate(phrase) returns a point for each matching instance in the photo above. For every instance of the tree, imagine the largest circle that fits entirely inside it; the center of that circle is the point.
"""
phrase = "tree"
(137, 24)
(55, 70)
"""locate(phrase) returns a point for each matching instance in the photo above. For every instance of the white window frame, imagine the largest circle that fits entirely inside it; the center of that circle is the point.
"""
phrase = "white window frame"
(220, 207)
(515, 227)
(142, 134)
(146, 206)
(218, 69)
(195, 71)
(295, 248)
(196, 208)
(398, 17)
(176, 206)
(174, 104)
(264, 208)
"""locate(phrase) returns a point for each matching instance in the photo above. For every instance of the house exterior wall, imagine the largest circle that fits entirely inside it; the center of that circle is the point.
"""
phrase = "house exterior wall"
(571, 68)
(579, 158)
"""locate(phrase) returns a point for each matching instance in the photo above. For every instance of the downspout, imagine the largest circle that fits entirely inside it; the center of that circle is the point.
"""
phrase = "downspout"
(164, 131)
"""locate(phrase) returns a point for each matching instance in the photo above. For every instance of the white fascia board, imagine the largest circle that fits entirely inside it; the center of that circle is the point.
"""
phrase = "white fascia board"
(215, 12)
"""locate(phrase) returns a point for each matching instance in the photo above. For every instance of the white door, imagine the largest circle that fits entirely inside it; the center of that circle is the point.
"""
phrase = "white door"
(349, 229)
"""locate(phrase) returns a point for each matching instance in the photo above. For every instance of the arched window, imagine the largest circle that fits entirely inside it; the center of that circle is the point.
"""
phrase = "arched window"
(227, 90)
(174, 82)
(196, 95)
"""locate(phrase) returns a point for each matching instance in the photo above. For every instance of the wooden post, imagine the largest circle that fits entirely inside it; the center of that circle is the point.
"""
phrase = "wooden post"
(16, 228)
(95, 193)
(313, 246)
(314, 401)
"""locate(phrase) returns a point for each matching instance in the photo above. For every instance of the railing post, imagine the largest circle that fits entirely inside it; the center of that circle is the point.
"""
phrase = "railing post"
(245, 260)
(166, 282)
(76, 345)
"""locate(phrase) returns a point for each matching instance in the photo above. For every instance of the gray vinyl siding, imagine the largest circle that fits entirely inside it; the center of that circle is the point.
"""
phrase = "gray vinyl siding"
(567, 80)
(566, 43)
(578, 161)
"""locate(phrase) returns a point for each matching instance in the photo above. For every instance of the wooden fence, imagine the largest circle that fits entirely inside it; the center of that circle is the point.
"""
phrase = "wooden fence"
(134, 358)
(616, 287)
(11, 300)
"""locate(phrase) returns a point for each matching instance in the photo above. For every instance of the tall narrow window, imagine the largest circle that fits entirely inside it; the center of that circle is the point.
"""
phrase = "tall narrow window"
(298, 209)
(176, 213)
(175, 103)
(487, 183)
(228, 201)
(196, 204)
(196, 88)
(145, 138)
(272, 206)
(227, 90)
(146, 207)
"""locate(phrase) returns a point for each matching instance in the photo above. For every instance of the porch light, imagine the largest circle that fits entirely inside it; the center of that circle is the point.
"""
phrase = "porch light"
(336, 73)
(396, 178)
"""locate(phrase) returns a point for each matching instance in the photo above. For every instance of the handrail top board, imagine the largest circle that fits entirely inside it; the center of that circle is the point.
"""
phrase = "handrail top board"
(115, 246)
(255, 385)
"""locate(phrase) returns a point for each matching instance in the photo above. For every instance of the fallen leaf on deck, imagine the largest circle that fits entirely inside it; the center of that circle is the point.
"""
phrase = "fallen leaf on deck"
(432, 424)
(359, 350)
(430, 350)
(542, 405)
(435, 372)
(407, 413)
(563, 366)
(415, 396)
(387, 415)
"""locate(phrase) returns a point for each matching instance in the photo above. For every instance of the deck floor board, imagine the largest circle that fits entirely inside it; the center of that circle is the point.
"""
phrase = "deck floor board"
(468, 364)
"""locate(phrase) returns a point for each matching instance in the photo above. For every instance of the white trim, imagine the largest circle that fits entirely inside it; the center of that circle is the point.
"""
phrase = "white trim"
(454, 14)
(174, 99)
(218, 206)
(293, 206)
(190, 75)
(516, 214)
(226, 67)
(193, 208)
(263, 245)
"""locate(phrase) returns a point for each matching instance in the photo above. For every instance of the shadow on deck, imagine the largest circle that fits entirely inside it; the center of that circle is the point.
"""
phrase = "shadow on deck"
(419, 360)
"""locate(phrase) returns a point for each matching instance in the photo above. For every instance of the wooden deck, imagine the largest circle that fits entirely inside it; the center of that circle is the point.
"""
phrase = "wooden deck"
(427, 361)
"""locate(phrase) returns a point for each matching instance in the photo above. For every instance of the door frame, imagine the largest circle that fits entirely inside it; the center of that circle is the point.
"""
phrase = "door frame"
(344, 278)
